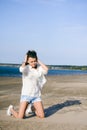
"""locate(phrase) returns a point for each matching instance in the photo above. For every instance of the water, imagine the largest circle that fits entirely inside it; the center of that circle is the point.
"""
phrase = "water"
(11, 71)
(67, 72)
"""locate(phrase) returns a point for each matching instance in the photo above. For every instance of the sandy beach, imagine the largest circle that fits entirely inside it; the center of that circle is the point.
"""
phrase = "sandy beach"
(64, 99)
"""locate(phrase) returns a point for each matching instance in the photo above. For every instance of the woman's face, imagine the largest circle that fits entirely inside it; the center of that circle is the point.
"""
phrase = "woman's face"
(32, 62)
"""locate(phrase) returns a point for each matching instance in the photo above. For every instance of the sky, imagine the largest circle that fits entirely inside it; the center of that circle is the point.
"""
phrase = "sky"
(55, 29)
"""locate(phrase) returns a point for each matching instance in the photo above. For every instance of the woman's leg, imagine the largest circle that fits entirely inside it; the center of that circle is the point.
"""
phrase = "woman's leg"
(39, 110)
(21, 112)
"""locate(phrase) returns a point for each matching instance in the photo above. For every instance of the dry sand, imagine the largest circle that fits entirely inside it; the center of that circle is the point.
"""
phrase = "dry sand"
(64, 99)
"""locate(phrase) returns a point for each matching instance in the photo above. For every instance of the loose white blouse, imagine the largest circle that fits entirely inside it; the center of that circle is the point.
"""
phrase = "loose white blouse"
(33, 80)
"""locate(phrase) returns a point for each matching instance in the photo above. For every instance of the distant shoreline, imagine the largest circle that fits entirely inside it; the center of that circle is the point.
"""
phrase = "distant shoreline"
(53, 67)
(9, 64)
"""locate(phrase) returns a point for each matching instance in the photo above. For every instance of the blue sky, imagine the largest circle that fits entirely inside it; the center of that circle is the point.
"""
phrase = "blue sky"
(56, 29)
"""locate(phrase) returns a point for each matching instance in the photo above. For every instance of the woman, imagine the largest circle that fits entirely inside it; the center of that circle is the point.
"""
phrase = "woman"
(33, 71)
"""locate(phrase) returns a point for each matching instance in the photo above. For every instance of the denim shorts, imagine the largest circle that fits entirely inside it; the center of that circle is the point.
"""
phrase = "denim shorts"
(30, 99)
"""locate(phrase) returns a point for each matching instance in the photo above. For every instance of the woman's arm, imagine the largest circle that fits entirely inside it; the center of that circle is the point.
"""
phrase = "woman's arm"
(43, 65)
(24, 62)
(23, 68)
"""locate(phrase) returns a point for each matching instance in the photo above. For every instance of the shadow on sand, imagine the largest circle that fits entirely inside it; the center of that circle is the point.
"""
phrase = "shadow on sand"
(53, 109)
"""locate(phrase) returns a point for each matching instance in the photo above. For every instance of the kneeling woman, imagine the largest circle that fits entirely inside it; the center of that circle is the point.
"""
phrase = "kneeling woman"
(33, 77)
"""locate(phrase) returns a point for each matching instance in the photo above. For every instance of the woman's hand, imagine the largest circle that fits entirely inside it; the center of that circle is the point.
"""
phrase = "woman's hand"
(43, 65)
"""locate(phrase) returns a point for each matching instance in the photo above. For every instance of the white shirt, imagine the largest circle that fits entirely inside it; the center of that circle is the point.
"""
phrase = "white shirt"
(33, 80)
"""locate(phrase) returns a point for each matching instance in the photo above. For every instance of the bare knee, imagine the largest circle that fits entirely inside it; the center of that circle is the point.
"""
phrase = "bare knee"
(41, 115)
(20, 117)
(17, 114)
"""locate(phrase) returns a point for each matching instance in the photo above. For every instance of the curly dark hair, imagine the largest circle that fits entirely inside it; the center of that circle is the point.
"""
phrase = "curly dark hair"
(32, 54)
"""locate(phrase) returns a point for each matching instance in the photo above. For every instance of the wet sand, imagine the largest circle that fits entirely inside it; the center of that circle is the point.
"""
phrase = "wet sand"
(64, 99)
